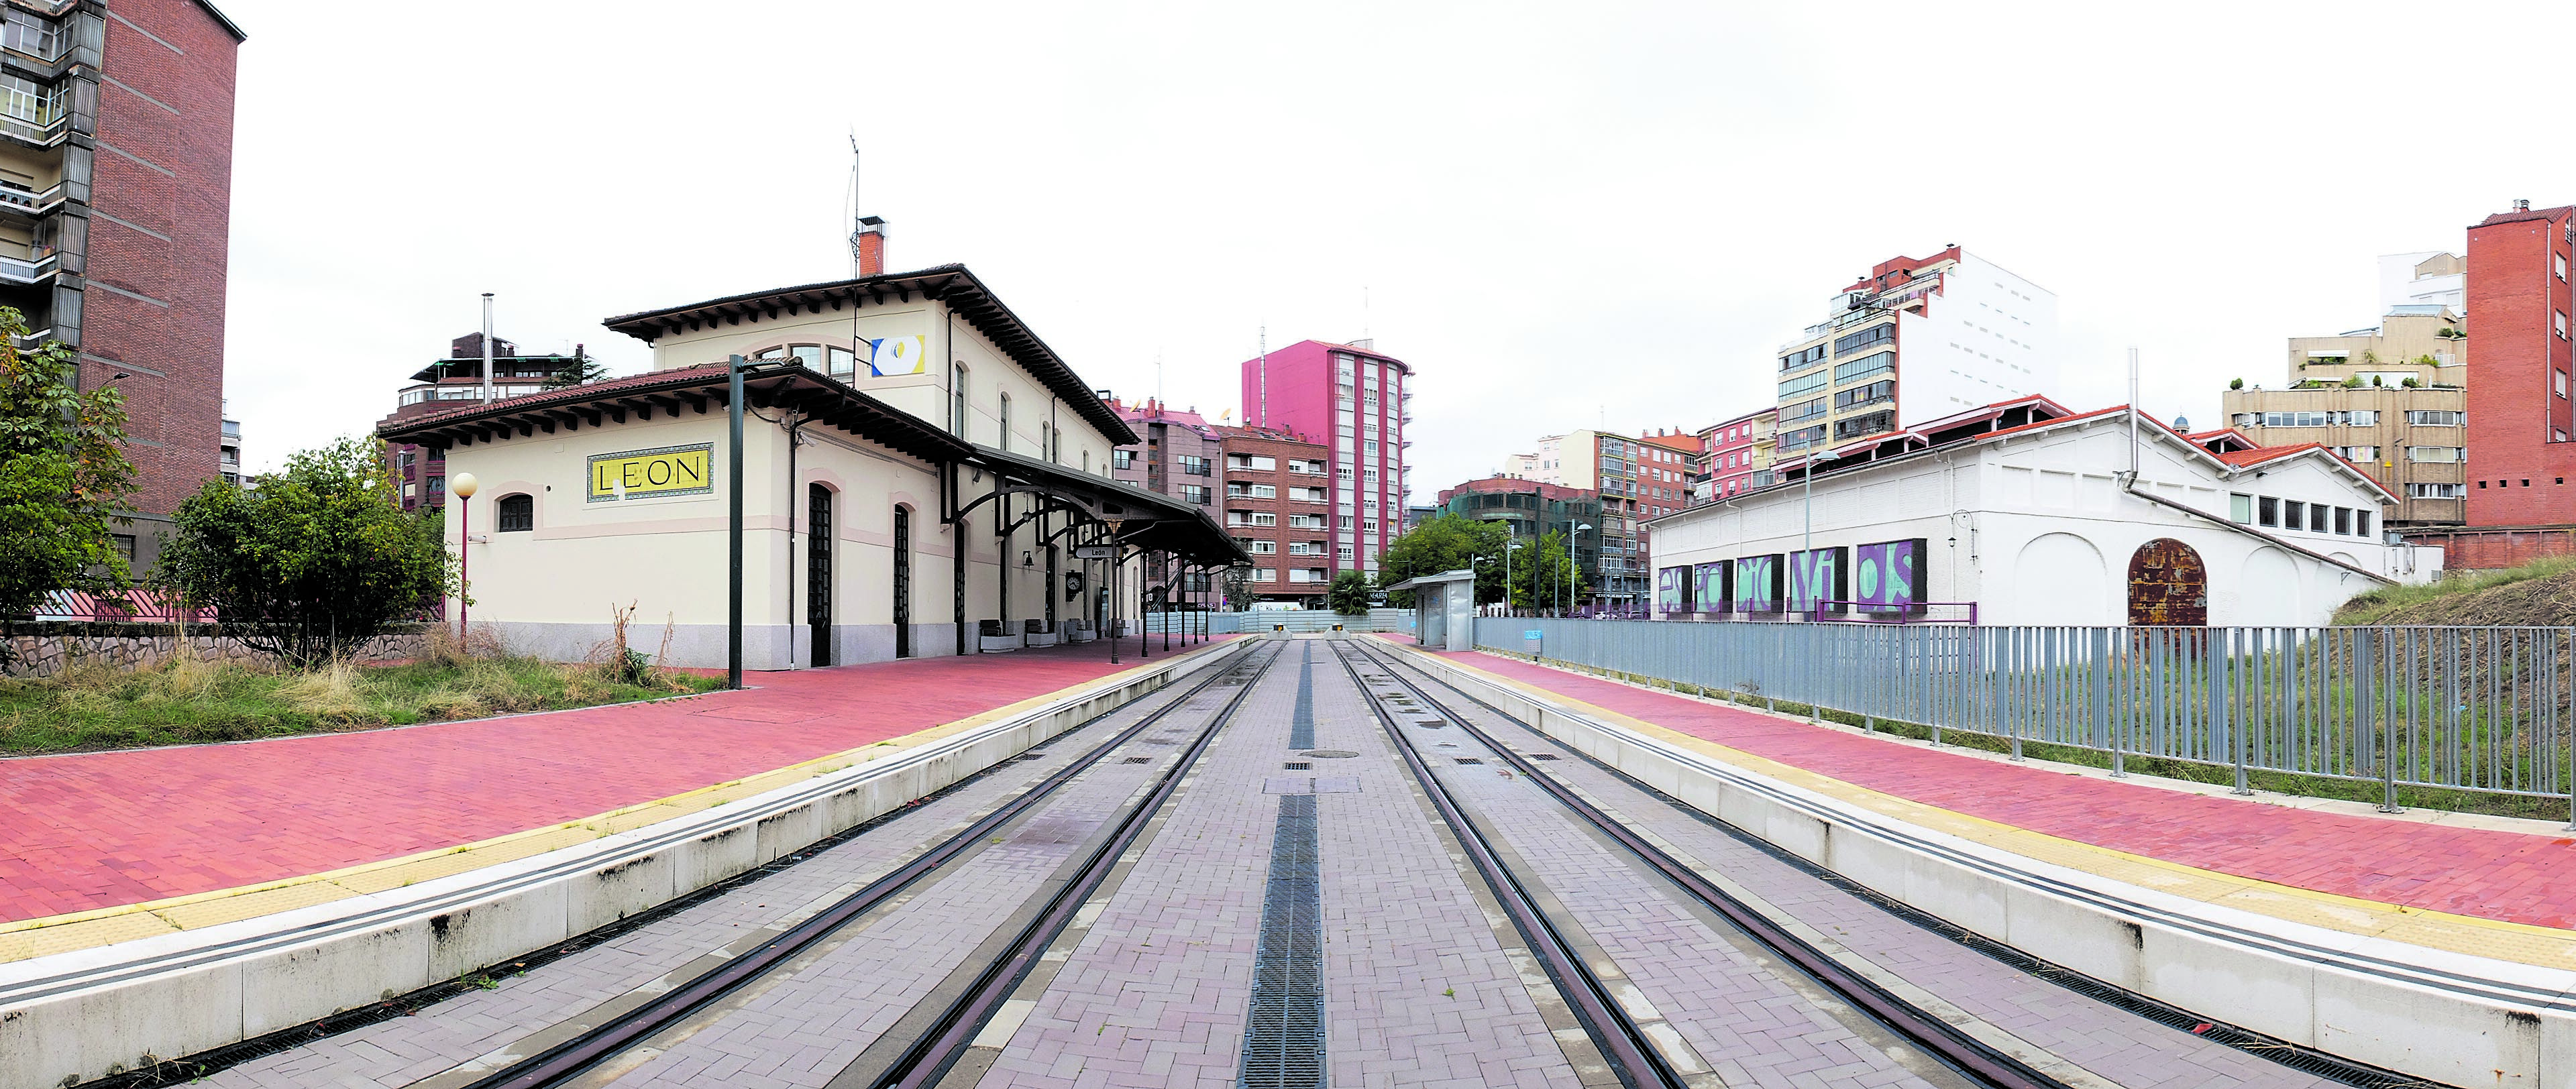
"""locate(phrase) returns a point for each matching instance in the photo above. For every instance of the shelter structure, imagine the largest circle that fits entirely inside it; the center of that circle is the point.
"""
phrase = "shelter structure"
(1444, 609)
(920, 475)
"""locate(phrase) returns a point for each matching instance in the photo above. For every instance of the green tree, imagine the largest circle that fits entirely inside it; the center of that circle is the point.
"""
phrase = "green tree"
(62, 471)
(1238, 587)
(1542, 584)
(1350, 593)
(316, 561)
(580, 370)
(1450, 542)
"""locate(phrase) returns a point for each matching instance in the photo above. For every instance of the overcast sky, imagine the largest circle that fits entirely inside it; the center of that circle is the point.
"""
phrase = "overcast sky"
(1561, 216)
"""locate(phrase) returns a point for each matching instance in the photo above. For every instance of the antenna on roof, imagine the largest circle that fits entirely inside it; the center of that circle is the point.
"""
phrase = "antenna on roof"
(853, 208)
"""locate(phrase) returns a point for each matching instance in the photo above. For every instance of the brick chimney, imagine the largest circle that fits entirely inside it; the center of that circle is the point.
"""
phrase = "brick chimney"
(871, 246)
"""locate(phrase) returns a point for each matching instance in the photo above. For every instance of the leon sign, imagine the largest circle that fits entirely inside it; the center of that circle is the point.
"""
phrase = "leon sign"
(663, 471)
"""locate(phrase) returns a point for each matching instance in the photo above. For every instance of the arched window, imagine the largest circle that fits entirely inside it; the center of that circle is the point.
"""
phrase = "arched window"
(518, 513)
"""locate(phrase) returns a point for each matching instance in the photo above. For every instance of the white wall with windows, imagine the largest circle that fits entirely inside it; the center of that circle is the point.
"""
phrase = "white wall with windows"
(2037, 527)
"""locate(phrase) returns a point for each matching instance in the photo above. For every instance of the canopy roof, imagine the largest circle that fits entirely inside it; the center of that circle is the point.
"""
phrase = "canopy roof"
(1424, 582)
(1146, 520)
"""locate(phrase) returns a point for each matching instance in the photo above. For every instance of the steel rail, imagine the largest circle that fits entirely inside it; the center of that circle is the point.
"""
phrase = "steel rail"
(930, 1056)
(1942, 1040)
(568, 1059)
(1622, 1041)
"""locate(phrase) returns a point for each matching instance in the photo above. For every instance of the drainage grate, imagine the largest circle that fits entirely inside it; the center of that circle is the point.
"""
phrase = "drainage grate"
(1432, 724)
(1300, 765)
(1301, 728)
(1283, 1038)
(1138, 760)
(1332, 754)
(1468, 759)
(1540, 755)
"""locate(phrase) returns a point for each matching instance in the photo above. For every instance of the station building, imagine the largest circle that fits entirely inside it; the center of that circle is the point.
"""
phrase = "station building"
(922, 476)
(2028, 513)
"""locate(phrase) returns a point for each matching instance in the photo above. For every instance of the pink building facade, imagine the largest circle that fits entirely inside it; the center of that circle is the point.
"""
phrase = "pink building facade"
(1353, 400)
(1736, 455)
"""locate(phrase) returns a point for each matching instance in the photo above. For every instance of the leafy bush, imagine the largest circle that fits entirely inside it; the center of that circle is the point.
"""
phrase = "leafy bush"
(1350, 594)
(315, 562)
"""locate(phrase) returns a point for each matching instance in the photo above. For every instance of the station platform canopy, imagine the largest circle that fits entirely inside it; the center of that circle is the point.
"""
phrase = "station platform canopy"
(1142, 520)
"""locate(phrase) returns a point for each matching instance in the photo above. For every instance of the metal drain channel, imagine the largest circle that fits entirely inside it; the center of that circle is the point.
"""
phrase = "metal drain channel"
(1301, 728)
(1283, 1039)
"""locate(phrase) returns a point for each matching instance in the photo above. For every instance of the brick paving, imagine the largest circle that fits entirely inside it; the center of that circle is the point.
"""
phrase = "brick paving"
(406, 1049)
(1752, 1027)
(2112, 1043)
(1155, 993)
(96, 830)
(2510, 876)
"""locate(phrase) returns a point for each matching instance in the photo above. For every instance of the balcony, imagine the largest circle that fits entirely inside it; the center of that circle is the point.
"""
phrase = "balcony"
(19, 270)
(29, 201)
(45, 134)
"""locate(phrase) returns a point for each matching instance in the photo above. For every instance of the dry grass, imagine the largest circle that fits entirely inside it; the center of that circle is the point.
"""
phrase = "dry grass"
(189, 700)
(2541, 593)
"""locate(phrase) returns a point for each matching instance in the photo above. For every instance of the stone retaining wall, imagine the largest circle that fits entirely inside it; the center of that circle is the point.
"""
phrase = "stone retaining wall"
(44, 648)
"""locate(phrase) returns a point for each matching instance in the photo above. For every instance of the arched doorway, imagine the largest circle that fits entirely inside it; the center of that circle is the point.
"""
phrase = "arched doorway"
(903, 582)
(818, 570)
(2168, 585)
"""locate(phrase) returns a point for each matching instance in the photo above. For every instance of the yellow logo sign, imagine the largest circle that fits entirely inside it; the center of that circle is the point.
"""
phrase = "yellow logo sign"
(638, 474)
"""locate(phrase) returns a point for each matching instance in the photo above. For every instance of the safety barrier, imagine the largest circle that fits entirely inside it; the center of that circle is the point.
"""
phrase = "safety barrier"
(2483, 709)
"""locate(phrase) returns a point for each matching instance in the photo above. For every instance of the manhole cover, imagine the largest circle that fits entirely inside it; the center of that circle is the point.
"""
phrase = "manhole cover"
(1332, 754)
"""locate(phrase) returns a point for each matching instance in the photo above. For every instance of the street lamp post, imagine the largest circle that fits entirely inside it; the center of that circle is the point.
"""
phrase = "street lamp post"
(1570, 586)
(1808, 479)
(463, 486)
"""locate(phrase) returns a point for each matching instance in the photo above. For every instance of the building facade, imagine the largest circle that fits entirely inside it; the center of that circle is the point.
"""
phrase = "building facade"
(1532, 509)
(921, 475)
(1179, 456)
(2520, 418)
(2388, 399)
(2028, 515)
(421, 474)
(1915, 340)
(1356, 401)
(1607, 465)
(1278, 504)
(228, 457)
(116, 145)
(1735, 455)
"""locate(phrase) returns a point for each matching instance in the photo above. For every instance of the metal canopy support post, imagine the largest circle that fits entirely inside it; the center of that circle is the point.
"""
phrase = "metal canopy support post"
(957, 557)
(733, 514)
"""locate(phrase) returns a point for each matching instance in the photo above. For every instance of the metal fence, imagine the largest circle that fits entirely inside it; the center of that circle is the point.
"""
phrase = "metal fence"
(2484, 709)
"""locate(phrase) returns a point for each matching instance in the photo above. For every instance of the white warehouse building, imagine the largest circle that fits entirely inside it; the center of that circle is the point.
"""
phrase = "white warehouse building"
(2020, 512)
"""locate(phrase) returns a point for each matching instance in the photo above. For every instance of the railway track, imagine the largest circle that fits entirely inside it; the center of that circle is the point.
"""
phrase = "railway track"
(1623, 1039)
(927, 1057)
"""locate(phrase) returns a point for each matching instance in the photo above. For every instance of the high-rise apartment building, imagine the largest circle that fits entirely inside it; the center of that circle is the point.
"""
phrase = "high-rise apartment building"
(1598, 461)
(1915, 340)
(1735, 456)
(2388, 399)
(1277, 506)
(1353, 399)
(421, 473)
(1179, 456)
(2520, 417)
(116, 153)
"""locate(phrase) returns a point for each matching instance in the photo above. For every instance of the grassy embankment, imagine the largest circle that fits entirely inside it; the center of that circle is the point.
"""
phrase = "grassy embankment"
(2539, 594)
(190, 701)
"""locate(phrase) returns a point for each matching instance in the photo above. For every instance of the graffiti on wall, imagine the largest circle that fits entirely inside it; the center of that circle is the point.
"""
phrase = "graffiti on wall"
(1887, 576)
(1816, 576)
(1673, 590)
(1713, 589)
(1757, 584)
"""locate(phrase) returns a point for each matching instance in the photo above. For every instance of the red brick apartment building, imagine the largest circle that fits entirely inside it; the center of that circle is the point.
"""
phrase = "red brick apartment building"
(1278, 506)
(2520, 412)
(116, 162)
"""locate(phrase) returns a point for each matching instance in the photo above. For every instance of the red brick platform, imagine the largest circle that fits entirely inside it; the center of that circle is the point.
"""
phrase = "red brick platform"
(2501, 875)
(95, 830)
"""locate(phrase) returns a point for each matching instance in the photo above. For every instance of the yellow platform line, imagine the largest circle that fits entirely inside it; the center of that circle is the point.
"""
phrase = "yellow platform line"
(2498, 939)
(51, 934)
